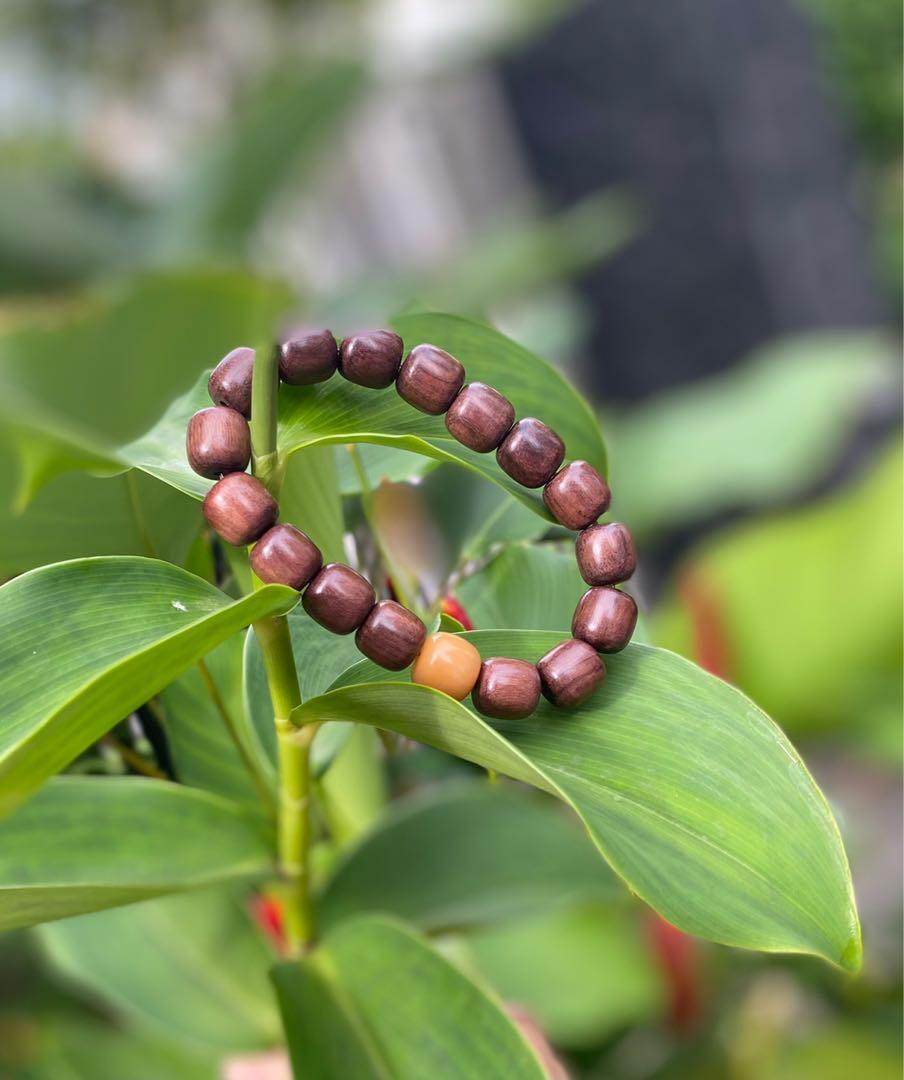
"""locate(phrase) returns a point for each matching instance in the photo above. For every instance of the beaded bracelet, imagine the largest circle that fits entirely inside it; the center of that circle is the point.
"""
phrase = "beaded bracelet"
(242, 511)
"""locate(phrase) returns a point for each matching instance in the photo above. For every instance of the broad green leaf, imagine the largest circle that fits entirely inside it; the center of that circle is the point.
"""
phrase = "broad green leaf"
(734, 590)
(320, 658)
(190, 967)
(467, 855)
(352, 792)
(84, 643)
(692, 794)
(337, 411)
(525, 587)
(90, 375)
(138, 515)
(199, 740)
(750, 436)
(581, 973)
(376, 1001)
(86, 843)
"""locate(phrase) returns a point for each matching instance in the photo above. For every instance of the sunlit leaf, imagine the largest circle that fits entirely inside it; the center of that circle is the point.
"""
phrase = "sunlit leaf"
(691, 793)
(84, 643)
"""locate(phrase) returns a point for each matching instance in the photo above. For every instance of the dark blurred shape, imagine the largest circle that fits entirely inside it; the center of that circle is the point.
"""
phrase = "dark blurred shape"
(715, 113)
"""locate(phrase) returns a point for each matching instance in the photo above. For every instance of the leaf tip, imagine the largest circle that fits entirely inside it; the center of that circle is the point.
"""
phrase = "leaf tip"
(851, 959)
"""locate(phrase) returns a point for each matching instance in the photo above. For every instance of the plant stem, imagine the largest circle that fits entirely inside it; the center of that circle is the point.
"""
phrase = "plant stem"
(293, 761)
(263, 788)
(133, 759)
(293, 747)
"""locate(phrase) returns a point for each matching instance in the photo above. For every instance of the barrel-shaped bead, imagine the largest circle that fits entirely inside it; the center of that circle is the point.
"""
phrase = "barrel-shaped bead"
(480, 417)
(371, 359)
(531, 453)
(218, 442)
(285, 555)
(307, 357)
(240, 508)
(605, 618)
(570, 673)
(339, 598)
(230, 381)
(606, 554)
(577, 495)
(506, 689)
(391, 635)
(449, 663)
(430, 379)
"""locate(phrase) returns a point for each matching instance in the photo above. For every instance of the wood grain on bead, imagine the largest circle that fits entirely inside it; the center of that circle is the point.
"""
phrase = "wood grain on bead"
(606, 554)
(430, 379)
(531, 453)
(391, 635)
(570, 673)
(285, 555)
(230, 381)
(218, 442)
(449, 663)
(577, 495)
(506, 689)
(307, 357)
(240, 508)
(339, 598)
(605, 618)
(480, 417)
(371, 359)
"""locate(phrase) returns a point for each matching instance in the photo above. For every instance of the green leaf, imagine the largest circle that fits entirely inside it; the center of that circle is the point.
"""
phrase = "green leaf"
(140, 515)
(582, 973)
(730, 588)
(337, 411)
(310, 499)
(85, 843)
(750, 436)
(526, 587)
(691, 793)
(190, 967)
(375, 1001)
(84, 643)
(467, 855)
(202, 749)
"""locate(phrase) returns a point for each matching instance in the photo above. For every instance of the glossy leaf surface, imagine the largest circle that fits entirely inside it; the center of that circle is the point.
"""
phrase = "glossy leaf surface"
(692, 794)
(84, 643)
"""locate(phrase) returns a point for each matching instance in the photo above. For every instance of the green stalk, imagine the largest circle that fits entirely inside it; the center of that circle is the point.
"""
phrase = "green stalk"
(294, 747)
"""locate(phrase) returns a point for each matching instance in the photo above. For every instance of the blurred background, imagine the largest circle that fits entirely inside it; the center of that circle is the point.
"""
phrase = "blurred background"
(692, 208)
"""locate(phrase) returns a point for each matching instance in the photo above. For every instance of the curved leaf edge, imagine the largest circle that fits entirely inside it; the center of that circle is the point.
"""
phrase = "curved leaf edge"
(851, 958)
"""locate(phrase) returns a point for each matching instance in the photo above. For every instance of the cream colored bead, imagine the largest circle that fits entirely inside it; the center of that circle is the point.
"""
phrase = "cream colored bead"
(449, 663)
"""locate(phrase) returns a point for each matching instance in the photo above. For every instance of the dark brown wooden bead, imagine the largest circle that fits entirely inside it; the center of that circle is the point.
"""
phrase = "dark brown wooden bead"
(506, 689)
(371, 359)
(577, 495)
(606, 554)
(285, 555)
(218, 442)
(531, 452)
(307, 357)
(430, 379)
(570, 672)
(240, 508)
(480, 417)
(391, 635)
(339, 598)
(230, 381)
(605, 618)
